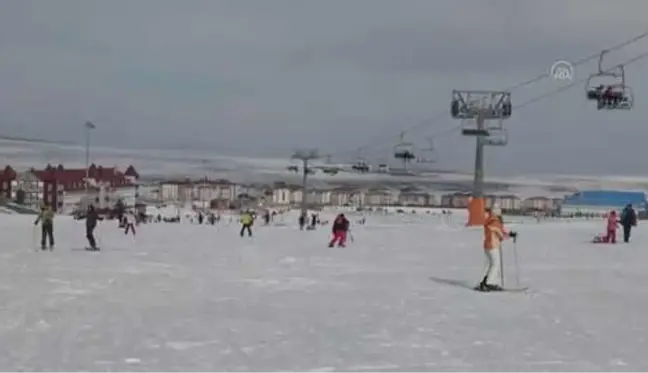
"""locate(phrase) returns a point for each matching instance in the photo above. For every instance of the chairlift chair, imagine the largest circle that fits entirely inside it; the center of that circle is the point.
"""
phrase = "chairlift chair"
(497, 138)
(361, 166)
(330, 170)
(403, 151)
(433, 156)
(611, 96)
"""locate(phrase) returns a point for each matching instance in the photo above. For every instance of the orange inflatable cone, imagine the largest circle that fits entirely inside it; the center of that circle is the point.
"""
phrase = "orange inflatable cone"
(476, 211)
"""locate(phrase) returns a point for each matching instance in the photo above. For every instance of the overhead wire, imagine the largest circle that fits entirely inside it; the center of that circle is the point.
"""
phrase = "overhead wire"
(444, 114)
(575, 83)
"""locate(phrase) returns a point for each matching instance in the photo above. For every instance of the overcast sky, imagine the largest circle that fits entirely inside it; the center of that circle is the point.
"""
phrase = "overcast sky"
(262, 77)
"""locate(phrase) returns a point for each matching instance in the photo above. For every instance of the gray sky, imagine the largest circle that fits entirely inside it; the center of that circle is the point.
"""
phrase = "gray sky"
(261, 77)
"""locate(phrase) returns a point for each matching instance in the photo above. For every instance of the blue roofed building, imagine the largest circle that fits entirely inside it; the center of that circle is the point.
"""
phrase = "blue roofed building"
(601, 201)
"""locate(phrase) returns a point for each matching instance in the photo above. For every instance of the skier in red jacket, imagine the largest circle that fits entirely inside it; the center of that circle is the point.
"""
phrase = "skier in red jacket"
(340, 229)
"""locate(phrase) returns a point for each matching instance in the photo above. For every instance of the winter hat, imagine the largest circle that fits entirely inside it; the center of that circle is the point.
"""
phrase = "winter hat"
(496, 210)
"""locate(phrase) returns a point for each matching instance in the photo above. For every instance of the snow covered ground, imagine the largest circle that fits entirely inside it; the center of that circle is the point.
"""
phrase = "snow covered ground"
(188, 297)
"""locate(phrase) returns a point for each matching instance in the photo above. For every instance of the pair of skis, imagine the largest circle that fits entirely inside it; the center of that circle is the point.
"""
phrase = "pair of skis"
(501, 290)
(517, 289)
(467, 285)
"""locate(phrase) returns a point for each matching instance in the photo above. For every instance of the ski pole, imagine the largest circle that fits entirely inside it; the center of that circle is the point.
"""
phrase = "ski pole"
(517, 268)
(501, 259)
(34, 238)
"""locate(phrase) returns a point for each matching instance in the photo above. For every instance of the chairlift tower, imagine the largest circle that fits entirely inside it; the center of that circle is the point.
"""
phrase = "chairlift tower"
(305, 156)
(482, 114)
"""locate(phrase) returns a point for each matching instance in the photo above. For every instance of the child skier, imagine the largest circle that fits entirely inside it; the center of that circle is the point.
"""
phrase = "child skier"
(340, 230)
(611, 224)
(494, 234)
(46, 218)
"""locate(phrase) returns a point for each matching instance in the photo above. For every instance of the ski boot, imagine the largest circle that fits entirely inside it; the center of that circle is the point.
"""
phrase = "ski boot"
(482, 286)
(494, 287)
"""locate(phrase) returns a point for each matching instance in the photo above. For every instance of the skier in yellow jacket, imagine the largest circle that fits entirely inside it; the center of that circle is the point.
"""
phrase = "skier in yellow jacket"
(46, 218)
(247, 220)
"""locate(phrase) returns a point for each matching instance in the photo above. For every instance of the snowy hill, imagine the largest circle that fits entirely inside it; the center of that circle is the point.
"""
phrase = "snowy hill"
(190, 297)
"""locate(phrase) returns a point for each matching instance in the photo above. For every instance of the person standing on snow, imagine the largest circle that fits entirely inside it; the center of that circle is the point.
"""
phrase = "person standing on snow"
(46, 218)
(612, 224)
(302, 221)
(246, 223)
(91, 223)
(494, 234)
(130, 222)
(340, 230)
(628, 220)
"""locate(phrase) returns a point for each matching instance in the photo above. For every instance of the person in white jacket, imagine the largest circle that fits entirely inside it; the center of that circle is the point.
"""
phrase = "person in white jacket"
(130, 222)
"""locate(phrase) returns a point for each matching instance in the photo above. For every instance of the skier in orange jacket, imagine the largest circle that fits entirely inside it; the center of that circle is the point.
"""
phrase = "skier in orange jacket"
(494, 234)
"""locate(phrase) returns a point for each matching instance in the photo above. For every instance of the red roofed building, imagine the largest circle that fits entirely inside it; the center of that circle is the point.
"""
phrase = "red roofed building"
(131, 172)
(7, 175)
(53, 184)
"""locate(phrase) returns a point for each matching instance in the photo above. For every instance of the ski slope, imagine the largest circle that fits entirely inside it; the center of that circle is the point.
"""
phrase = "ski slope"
(191, 298)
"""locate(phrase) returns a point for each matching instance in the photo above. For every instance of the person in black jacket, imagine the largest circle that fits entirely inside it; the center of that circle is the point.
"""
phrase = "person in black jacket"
(340, 230)
(302, 221)
(91, 223)
(628, 220)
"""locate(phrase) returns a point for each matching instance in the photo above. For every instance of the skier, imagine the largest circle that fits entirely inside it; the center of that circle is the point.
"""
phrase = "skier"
(302, 221)
(340, 230)
(130, 222)
(91, 223)
(46, 218)
(628, 220)
(246, 223)
(494, 234)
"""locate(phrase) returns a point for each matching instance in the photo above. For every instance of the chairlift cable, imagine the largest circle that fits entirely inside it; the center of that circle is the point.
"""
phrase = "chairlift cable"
(443, 115)
(576, 83)
(581, 61)
(546, 95)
